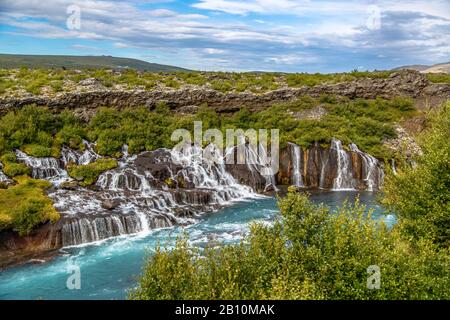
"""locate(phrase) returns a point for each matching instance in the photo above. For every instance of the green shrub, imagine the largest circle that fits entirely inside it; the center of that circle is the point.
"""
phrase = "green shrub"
(439, 77)
(222, 85)
(420, 194)
(89, 173)
(25, 206)
(29, 125)
(36, 150)
(311, 254)
(11, 168)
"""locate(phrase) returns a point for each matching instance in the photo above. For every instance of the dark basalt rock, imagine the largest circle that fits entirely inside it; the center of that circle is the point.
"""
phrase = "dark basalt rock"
(243, 175)
(110, 204)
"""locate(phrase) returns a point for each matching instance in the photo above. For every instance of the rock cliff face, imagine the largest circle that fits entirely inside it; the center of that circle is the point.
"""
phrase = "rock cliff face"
(403, 83)
(332, 168)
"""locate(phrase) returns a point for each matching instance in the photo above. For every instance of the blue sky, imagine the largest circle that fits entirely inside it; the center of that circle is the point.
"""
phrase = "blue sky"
(238, 35)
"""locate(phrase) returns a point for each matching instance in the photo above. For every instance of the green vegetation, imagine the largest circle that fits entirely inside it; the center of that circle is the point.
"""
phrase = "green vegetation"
(139, 128)
(364, 122)
(439, 77)
(11, 168)
(420, 194)
(89, 173)
(51, 81)
(40, 133)
(310, 80)
(313, 253)
(33, 129)
(79, 62)
(25, 206)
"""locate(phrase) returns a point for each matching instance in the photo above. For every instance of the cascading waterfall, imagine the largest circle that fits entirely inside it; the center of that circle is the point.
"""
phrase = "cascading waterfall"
(372, 174)
(297, 167)
(209, 172)
(334, 168)
(81, 158)
(344, 176)
(162, 188)
(43, 168)
(137, 202)
(323, 166)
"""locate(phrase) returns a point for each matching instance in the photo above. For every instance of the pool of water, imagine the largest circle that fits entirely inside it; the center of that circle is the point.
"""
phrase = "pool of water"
(110, 268)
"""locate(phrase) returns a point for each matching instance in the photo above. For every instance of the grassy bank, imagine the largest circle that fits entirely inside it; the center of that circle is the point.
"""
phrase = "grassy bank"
(25, 206)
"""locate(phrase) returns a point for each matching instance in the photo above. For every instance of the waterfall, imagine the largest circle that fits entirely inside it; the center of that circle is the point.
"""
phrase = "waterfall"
(372, 175)
(344, 176)
(3, 177)
(394, 168)
(297, 168)
(130, 199)
(47, 168)
(81, 158)
(83, 230)
(256, 161)
(209, 172)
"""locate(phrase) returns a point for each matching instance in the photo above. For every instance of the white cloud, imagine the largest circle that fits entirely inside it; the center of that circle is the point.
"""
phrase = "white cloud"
(213, 51)
(314, 33)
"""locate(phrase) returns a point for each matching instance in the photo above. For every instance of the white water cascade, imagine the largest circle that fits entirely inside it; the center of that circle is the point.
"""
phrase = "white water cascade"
(130, 200)
(47, 168)
(257, 161)
(3, 176)
(344, 176)
(207, 171)
(297, 167)
(372, 174)
(81, 158)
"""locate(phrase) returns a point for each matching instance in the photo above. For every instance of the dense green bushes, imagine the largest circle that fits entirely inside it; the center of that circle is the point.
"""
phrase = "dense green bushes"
(11, 168)
(311, 254)
(89, 173)
(25, 206)
(33, 129)
(38, 132)
(420, 194)
(138, 127)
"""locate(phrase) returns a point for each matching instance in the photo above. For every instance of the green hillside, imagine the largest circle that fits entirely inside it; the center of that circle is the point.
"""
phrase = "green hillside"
(80, 62)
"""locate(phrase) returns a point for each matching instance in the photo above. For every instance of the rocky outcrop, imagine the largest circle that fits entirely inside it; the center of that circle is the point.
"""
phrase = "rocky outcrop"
(404, 143)
(42, 241)
(403, 83)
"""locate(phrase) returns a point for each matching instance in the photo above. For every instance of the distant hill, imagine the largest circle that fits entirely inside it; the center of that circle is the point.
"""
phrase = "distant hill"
(80, 62)
(436, 68)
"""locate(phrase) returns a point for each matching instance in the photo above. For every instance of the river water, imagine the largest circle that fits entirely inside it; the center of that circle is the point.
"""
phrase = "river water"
(110, 268)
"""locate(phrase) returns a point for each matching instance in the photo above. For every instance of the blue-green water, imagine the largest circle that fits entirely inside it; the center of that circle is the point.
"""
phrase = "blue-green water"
(109, 268)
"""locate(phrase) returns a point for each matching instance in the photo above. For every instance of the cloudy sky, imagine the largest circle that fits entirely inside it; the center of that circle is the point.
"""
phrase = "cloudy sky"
(240, 35)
